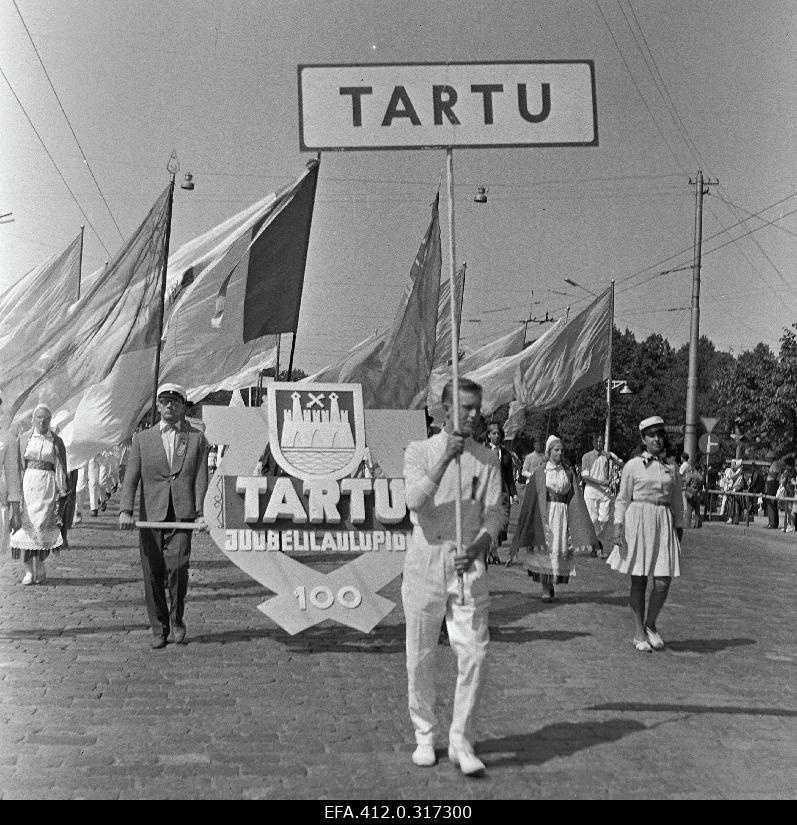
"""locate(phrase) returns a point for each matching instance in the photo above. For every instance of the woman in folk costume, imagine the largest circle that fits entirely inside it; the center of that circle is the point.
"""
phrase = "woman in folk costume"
(553, 522)
(44, 486)
(648, 527)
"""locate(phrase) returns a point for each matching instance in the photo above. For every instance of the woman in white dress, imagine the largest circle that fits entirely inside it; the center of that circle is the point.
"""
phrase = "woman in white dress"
(648, 528)
(44, 487)
(553, 522)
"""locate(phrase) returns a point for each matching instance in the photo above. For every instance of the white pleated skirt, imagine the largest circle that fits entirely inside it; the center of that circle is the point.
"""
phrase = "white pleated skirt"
(653, 547)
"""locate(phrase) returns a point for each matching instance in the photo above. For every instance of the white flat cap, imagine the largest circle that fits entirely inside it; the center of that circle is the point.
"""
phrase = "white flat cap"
(173, 389)
(653, 421)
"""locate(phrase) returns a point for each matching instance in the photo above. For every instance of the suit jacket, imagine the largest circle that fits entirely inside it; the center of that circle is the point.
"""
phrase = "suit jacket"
(185, 482)
(507, 470)
(533, 509)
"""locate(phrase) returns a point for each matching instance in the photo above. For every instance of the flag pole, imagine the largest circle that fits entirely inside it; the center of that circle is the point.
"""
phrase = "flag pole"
(80, 264)
(454, 359)
(607, 437)
(173, 167)
(304, 264)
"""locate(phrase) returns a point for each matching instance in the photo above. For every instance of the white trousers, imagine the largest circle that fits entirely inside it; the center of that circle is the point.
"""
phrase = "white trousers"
(97, 475)
(430, 592)
(5, 529)
(113, 472)
(599, 507)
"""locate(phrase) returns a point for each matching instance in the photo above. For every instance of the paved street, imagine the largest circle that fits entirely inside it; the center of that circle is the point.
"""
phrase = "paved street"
(246, 711)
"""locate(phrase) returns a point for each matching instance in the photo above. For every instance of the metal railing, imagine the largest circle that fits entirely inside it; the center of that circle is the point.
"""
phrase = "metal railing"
(742, 494)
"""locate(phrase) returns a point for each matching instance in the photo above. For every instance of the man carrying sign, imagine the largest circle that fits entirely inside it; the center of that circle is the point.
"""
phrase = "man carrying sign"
(170, 461)
(430, 589)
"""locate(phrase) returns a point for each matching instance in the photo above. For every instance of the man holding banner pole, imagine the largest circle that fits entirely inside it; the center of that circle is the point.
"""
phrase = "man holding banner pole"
(170, 461)
(434, 568)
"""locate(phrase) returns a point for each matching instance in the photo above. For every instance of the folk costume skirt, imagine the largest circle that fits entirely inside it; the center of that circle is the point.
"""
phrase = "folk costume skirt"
(653, 547)
(40, 533)
(555, 559)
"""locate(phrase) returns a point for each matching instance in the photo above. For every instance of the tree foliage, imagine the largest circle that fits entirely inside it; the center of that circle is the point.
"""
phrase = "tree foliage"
(756, 391)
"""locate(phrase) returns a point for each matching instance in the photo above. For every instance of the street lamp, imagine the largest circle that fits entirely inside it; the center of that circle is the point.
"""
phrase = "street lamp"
(623, 384)
(573, 283)
(613, 384)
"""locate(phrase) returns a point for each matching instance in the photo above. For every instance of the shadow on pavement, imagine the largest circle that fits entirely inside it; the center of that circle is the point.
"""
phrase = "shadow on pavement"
(708, 645)
(213, 564)
(552, 741)
(510, 605)
(385, 639)
(239, 584)
(521, 635)
(599, 597)
(644, 707)
(54, 581)
(67, 632)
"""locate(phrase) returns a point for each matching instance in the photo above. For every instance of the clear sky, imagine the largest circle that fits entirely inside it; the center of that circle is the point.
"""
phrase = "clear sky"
(680, 85)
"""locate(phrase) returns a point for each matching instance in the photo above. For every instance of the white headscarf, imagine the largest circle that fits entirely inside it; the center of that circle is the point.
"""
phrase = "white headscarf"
(552, 439)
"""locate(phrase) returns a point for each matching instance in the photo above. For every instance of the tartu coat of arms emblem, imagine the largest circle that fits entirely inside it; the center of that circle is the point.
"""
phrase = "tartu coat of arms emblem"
(317, 432)
(311, 498)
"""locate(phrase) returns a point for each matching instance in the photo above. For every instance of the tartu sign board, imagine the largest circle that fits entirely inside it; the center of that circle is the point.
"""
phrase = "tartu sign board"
(332, 492)
(412, 106)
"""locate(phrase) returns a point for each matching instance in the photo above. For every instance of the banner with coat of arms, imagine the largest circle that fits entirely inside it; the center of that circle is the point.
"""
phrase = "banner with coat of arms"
(300, 481)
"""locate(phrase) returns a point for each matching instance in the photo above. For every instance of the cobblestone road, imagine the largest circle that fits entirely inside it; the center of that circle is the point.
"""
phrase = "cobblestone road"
(246, 711)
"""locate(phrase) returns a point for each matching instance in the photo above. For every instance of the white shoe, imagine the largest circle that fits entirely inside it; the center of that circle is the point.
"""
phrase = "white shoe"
(655, 640)
(424, 756)
(27, 579)
(468, 762)
(643, 646)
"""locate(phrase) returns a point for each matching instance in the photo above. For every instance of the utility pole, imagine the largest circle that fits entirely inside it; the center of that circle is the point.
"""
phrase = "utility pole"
(690, 430)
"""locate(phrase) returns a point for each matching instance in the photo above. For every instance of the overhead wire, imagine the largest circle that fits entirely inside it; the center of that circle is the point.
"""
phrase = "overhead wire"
(636, 86)
(749, 213)
(691, 145)
(670, 107)
(69, 123)
(52, 160)
(658, 81)
(405, 182)
(690, 249)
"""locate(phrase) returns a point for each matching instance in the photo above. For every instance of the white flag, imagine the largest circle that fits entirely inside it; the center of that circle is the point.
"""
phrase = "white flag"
(219, 283)
(100, 362)
(576, 356)
(505, 345)
(30, 312)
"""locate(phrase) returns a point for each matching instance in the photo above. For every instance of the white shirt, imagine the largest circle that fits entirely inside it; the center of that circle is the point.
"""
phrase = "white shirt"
(431, 505)
(652, 479)
(556, 478)
(168, 435)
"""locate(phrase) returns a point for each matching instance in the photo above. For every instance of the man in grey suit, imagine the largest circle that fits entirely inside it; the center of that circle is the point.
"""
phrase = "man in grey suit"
(170, 461)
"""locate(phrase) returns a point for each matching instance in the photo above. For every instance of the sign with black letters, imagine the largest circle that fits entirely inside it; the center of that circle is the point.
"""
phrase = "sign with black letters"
(476, 105)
